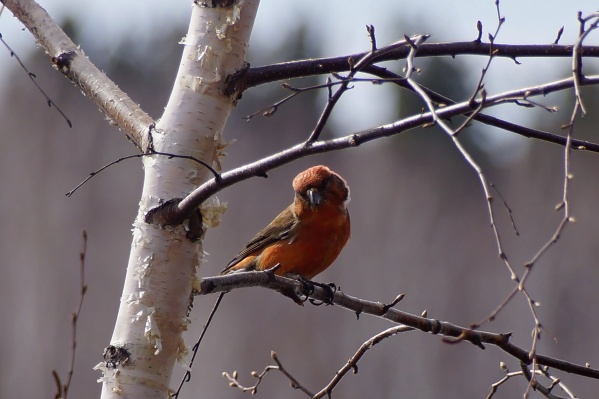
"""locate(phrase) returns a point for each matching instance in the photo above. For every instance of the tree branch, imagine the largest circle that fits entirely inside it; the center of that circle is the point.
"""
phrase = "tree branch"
(179, 209)
(350, 365)
(72, 62)
(253, 77)
(268, 280)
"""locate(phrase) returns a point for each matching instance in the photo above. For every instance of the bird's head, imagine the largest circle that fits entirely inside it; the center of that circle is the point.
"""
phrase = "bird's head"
(319, 185)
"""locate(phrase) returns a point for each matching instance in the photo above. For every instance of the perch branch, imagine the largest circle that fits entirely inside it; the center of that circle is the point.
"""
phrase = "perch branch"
(209, 285)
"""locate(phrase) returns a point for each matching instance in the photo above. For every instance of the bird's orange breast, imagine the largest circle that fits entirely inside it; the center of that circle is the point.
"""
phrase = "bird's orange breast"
(315, 244)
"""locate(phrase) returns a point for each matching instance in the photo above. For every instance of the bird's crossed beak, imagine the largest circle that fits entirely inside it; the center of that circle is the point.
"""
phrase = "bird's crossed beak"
(314, 197)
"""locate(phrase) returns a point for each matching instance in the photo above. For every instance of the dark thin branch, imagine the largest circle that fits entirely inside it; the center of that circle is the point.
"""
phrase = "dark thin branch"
(502, 381)
(318, 66)
(272, 109)
(388, 76)
(234, 382)
(352, 363)
(474, 165)
(527, 373)
(181, 208)
(560, 32)
(72, 62)
(535, 384)
(577, 56)
(216, 284)
(196, 346)
(166, 154)
(507, 208)
(62, 391)
(354, 68)
(32, 76)
(483, 118)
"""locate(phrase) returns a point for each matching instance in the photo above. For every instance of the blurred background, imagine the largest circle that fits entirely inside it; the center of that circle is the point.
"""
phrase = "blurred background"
(419, 218)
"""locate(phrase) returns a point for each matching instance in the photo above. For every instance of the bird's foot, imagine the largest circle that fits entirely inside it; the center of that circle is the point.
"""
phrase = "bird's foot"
(307, 289)
(329, 289)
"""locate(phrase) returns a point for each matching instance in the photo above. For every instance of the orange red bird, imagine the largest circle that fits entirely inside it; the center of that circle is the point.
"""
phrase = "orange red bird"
(304, 239)
(308, 235)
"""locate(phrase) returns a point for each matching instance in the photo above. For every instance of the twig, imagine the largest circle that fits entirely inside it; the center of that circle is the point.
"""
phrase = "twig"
(72, 62)
(535, 384)
(234, 382)
(272, 109)
(564, 205)
(32, 76)
(354, 68)
(186, 206)
(508, 209)
(352, 363)
(501, 20)
(166, 154)
(187, 376)
(557, 382)
(318, 66)
(453, 135)
(478, 338)
(525, 372)
(483, 118)
(508, 376)
(577, 55)
(63, 390)
(485, 186)
(560, 32)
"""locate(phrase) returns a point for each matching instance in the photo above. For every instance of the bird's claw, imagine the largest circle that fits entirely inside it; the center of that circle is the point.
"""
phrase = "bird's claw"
(306, 287)
(329, 290)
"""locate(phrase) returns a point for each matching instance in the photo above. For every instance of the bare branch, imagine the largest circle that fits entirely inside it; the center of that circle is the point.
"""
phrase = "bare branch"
(253, 77)
(453, 134)
(525, 372)
(577, 55)
(560, 32)
(152, 152)
(502, 381)
(483, 118)
(352, 363)
(534, 383)
(234, 382)
(32, 76)
(72, 62)
(454, 137)
(178, 208)
(363, 62)
(209, 285)
(62, 391)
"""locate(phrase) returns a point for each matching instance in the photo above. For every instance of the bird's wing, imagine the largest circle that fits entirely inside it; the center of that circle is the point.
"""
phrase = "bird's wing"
(281, 228)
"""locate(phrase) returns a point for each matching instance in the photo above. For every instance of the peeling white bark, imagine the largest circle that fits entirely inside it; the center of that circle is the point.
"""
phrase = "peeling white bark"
(162, 263)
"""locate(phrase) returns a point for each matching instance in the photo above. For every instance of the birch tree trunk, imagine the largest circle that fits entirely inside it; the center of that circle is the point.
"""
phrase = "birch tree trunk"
(163, 260)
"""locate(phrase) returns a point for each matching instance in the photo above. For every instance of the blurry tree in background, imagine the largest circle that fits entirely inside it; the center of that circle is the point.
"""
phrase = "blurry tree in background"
(420, 227)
